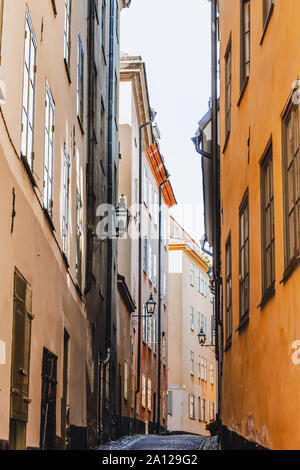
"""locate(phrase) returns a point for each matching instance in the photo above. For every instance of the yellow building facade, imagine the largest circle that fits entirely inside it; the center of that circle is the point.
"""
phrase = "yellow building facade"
(260, 224)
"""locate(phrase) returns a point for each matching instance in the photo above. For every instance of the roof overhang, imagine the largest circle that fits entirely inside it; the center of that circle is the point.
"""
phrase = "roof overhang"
(160, 173)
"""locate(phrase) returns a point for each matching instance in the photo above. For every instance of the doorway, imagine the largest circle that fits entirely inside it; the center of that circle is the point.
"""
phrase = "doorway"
(48, 405)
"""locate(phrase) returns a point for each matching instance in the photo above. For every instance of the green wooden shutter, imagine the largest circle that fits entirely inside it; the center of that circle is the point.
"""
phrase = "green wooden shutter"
(21, 349)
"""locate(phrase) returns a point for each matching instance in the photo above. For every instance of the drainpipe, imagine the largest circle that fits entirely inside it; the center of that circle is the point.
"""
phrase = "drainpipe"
(138, 379)
(159, 304)
(202, 244)
(216, 198)
(90, 149)
(110, 188)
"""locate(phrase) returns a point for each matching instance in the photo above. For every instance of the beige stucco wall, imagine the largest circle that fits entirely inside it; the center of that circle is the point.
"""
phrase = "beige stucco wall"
(32, 247)
(183, 340)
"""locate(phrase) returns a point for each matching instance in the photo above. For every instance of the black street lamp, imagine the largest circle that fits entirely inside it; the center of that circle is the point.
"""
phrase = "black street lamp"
(150, 306)
(123, 217)
(202, 339)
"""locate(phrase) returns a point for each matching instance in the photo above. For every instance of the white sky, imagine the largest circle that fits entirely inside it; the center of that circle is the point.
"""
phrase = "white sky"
(173, 38)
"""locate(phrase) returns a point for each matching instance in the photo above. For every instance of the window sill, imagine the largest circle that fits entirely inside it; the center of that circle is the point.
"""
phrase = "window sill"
(291, 268)
(103, 54)
(228, 343)
(267, 23)
(268, 295)
(244, 321)
(243, 89)
(65, 260)
(226, 142)
(49, 220)
(80, 124)
(78, 290)
(28, 171)
(68, 71)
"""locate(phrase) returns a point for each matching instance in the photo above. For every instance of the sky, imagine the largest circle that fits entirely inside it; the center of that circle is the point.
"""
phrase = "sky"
(173, 39)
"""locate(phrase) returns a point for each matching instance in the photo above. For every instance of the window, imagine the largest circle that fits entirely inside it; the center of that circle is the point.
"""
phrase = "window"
(29, 89)
(203, 368)
(1, 24)
(164, 285)
(227, 91)
(199, 408)
(202, 283)
(150, 197)
(212, 373)
(145, 187)
(155, 271)
(67, 34)
(291, 177)
(149, 332)
(95, 103)
(192, 319)
(143, 391)
(204, 324)
(103, 26)
(228, 290)
(203, 409)
(170, 403)
(102, 136)
(192, 280)
(149, 397)
(198, 280)
(155, 208)
(150, 264)
(192, 406)
(132, 390)
(80, 81)
(267, 9)
(268, 232)
(145, 259)
(199, 367)
(211, 411)
(49, 151)
(154, 335)
(245, 41)
(192, 365)
(65, 204)
(164, 350)
(145, 325)
(79, 231)
(125, 380)
(199, 322)
(116, 95)
(244, 259)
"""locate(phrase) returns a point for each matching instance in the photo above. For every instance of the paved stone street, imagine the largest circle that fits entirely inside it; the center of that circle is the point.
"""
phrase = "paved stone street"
(173, 442)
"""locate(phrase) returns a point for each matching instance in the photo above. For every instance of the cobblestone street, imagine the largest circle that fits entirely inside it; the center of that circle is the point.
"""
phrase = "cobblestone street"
(173, 442)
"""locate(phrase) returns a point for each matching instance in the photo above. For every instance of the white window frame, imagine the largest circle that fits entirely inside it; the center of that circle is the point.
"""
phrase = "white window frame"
(149, 395)
(29, 94)
(67, 33)
(192, 363)
(49, 151)
(80, 81)
(143, 391)
(192, 318)
(150, 263)
(212, 373)
(65, 202)
(125, 380)
(192, 274)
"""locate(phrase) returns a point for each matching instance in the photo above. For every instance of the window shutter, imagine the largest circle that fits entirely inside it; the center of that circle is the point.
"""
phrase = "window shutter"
(170, 403)
(21, 349)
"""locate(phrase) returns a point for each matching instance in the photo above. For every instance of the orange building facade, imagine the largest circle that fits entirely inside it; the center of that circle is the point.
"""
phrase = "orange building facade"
(260, 225)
